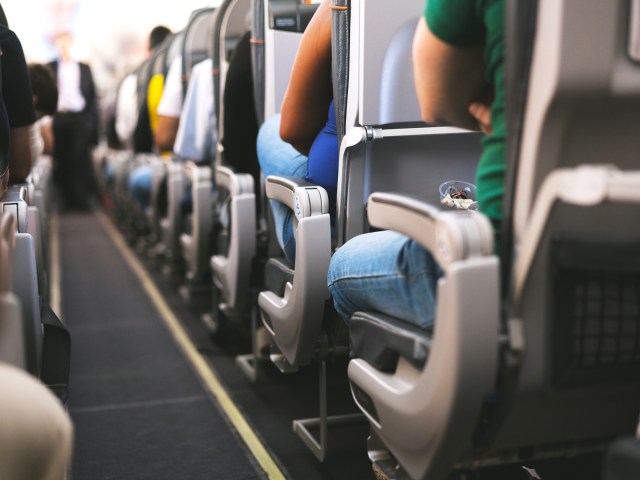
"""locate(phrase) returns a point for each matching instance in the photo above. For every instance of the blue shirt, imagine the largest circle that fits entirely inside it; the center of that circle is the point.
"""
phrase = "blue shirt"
(322, 165)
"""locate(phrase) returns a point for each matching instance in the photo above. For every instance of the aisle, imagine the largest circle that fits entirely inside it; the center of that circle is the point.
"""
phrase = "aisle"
(138, 408)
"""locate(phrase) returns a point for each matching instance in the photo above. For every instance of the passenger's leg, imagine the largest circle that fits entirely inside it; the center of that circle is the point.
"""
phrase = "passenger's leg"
(36, 434)
(384, 272)
(140, 185)
(279, 158)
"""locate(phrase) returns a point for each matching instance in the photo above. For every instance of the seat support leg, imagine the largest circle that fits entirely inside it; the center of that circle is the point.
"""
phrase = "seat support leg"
(303, 427)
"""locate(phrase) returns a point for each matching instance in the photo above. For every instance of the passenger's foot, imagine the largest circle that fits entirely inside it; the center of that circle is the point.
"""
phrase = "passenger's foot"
(263, 342)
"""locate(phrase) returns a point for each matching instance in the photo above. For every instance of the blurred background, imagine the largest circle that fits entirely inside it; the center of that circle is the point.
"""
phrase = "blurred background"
(111, 36)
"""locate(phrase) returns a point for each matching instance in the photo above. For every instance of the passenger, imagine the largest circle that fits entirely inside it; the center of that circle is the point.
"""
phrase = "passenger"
(302, 142)
(127, 109)
(75, 126)
(170, 107)
(196, 136)
(36, 434)
(157, 36)
(16, 112)
(458, 55)
(45, 102)
(148, 124)
(240, 122)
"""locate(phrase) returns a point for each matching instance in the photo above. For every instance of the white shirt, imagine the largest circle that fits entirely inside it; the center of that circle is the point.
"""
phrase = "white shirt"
(171, 102)
(196, 137)
(70, 97)
(127, 108)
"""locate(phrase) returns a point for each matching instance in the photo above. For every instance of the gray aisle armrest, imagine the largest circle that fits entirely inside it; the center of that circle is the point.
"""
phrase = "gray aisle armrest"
(295, 319)
(232, 272)
(196, 244)
(426, 416)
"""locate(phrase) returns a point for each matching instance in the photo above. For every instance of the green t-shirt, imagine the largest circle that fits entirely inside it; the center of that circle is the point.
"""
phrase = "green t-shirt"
(467, 23)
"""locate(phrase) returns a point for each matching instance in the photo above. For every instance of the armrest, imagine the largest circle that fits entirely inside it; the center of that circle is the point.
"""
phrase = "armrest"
(380, 340)
(235, 183)
(197, 173)
(14, 202)
(304, 198)
(295, 319)
(7, 244)
(449, 235)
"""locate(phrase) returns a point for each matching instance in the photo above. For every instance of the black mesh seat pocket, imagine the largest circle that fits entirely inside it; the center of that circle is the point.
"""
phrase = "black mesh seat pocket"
(596, 311)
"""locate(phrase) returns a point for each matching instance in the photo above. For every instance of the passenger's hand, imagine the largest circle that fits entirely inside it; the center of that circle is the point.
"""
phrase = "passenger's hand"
(482, 113)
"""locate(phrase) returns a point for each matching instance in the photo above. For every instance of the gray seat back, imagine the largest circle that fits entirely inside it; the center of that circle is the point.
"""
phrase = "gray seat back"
(257, 57)
(285, 21)
(387, 147)
(576, 276)
(174, 50)
(196, 46)
(340, 60)
(11, 329)
(229, 26)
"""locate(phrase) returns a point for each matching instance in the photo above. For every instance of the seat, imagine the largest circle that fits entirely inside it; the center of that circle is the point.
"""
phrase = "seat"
(46, 345)
(11, 325)
(227, 25)
(367, 37)
(25, 276)
(546, 366)
(194, 49)
(370, 140)
(237, 267)
(164, 55)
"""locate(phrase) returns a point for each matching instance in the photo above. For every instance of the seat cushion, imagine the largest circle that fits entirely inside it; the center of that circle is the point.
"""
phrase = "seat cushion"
(380, 340)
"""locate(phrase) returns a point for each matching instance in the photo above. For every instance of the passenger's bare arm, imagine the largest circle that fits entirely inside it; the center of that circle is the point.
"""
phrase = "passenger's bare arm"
(309, 93)
(166, 132)
(448, 79)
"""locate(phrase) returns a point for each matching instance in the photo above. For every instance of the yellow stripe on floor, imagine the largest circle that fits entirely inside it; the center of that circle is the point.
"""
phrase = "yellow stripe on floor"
(209, 378)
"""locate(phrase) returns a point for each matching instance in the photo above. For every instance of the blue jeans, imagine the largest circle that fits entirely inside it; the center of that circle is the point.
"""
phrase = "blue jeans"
(384, 272)
(277, 157)
(140, 185)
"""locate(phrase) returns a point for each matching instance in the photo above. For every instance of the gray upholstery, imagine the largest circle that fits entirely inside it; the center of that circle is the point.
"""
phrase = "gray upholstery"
(11, 328)
(398, 101)
(281, 39)
(175, 49)
(195, 47)
(25, 281)
(340, 60)
(229, 24)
